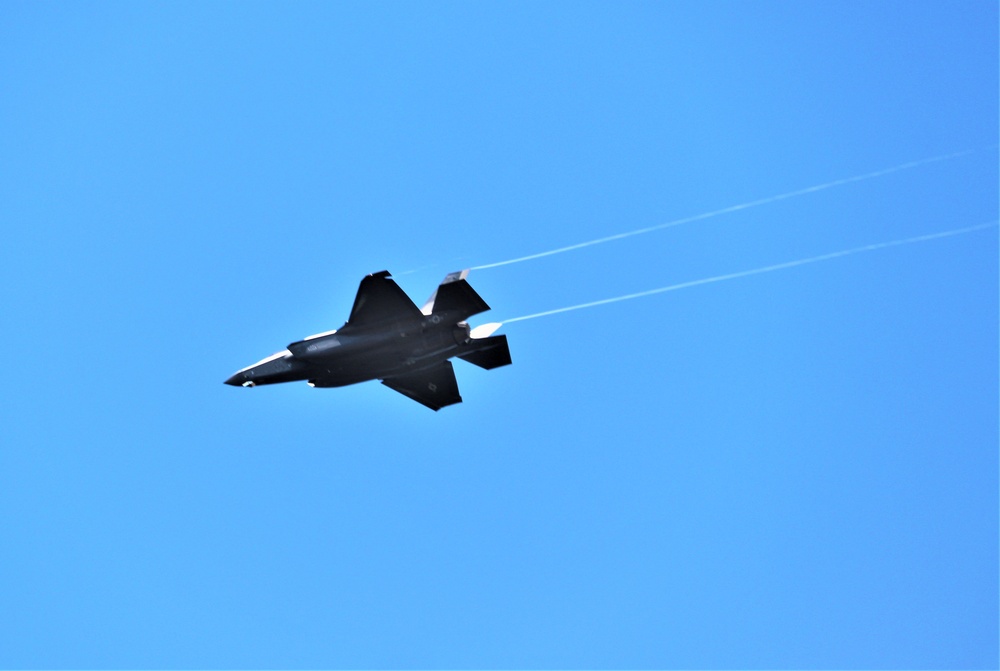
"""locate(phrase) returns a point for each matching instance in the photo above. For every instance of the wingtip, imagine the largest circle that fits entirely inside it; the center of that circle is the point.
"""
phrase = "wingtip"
(455, 276)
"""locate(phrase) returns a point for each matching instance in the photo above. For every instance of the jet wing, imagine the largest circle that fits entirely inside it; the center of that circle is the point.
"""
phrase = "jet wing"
(434, 387)
(380, 300)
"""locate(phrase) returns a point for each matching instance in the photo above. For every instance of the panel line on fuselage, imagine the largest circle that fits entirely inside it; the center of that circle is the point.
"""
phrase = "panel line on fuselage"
(268, 359)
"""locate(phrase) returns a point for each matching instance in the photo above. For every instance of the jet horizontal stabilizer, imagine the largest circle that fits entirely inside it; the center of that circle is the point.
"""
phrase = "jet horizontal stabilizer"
(490, 353)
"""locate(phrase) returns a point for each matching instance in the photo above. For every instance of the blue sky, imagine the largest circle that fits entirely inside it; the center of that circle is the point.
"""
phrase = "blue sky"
(796, 469)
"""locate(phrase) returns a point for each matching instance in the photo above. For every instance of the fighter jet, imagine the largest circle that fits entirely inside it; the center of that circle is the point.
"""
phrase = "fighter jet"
(388, 338)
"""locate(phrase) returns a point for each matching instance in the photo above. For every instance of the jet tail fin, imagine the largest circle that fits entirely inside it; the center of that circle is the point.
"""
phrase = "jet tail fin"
(428, 308)
(455, 296)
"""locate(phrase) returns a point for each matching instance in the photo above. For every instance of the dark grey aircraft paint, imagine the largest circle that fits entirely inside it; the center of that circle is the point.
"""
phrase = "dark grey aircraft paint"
(388, 338)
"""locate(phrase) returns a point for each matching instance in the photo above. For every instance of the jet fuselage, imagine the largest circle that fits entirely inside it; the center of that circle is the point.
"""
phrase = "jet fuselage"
(388, 338)
(353, 355)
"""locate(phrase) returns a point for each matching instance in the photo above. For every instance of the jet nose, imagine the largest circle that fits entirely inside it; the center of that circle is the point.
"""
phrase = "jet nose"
(239, 380)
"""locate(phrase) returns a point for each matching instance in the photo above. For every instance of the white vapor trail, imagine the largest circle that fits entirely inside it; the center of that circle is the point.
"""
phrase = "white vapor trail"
(732, 208)
(765, 269)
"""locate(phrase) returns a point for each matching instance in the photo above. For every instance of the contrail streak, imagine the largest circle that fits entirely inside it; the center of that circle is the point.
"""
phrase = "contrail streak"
(733, 208)
(760, 271)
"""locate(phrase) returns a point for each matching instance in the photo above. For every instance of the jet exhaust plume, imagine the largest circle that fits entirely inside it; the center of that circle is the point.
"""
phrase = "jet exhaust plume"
(732, 208)
(765, 269)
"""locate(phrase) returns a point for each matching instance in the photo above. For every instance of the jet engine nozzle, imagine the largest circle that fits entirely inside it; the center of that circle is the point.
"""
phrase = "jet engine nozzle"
(462, 333)
(485, 330)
